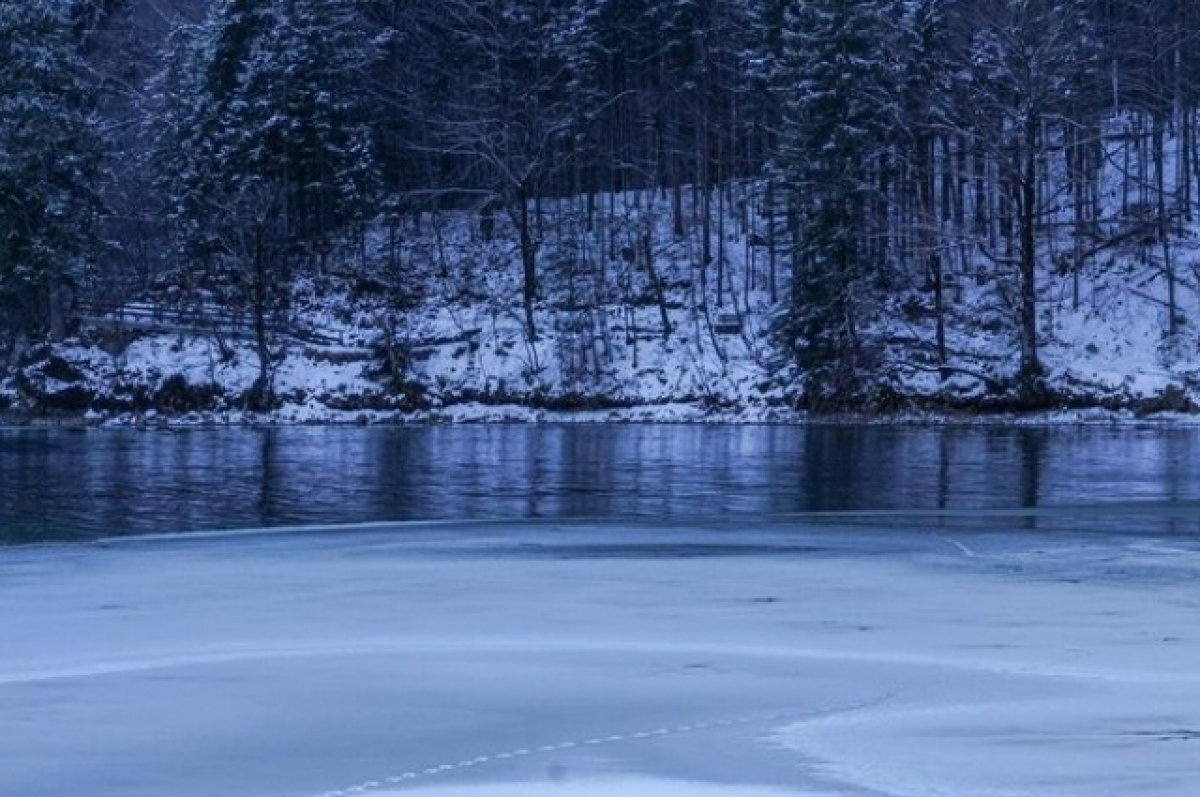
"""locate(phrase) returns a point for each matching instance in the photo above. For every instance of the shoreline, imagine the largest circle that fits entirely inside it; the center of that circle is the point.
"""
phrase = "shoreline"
(474, 414)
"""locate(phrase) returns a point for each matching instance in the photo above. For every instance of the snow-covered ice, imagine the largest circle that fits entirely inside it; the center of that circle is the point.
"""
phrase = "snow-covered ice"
(491, 660)
(610, 787)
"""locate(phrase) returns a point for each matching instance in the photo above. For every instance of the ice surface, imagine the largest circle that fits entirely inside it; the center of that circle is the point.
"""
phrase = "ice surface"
(614, 787)
(594, 660)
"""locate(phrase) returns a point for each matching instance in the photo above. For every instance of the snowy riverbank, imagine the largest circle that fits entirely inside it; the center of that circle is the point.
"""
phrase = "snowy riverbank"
(666, 414)
(472, 659)
(432, 328)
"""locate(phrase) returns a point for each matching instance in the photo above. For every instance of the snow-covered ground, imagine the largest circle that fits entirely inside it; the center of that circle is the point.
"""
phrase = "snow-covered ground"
(624, 332)
(488, 660)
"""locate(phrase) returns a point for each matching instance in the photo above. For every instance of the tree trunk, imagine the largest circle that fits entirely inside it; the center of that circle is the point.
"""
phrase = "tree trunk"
(261, 397)
(939, 307)
(528, 262)
(660, 295)
(772, 252)
(58, 300)
(1164, 225)
(1031, 366)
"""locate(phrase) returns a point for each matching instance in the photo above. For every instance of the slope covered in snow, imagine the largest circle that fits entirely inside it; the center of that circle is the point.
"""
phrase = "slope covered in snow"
(427, 322)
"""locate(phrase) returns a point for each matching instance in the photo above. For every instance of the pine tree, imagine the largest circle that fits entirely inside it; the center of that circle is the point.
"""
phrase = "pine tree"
(273, 103)
(841, 110)
(263, 146)
(201, 146)
(50, 159)
(312, 135)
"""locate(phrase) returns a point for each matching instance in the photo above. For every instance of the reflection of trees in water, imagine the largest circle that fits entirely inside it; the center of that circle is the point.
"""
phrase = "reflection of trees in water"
(832, 475)
(1032, 443)
(535, 477)
(266, 476)
(596, 471)
(877, 468)
(23, 488)
(123, 496)
(58, 485)
(943, 472)
(1179, 465)
(398, 463)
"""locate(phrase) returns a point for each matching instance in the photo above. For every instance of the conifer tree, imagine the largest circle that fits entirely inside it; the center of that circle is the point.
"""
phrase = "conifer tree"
(261, 94)
(841, 109)
(50, 159)
(264, 148)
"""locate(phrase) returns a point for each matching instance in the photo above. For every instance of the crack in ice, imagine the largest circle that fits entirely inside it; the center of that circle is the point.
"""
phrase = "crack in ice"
(724, 722)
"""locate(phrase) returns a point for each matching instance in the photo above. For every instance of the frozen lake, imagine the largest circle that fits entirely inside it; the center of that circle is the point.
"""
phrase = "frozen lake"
(596, 660)
(57, 485)
(601, 612)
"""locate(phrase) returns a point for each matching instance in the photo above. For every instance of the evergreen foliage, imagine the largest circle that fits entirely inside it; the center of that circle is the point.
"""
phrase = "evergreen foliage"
(51, 148)
(870, 152)
(840, 114)
(256, 100)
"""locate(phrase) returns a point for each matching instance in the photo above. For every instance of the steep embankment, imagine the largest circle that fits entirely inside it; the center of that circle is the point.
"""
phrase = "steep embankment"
(428, 324)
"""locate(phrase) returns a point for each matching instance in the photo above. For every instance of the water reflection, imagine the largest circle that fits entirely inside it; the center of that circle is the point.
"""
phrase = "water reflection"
(58, 485)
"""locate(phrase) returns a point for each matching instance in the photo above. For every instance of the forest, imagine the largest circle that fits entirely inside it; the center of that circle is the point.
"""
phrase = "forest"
(881, 203)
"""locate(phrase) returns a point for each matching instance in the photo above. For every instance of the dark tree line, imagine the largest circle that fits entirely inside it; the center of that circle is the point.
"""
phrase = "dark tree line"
(881, 146)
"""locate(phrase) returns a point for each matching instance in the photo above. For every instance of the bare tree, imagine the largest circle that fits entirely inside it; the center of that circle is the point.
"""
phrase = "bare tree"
(1026, 55)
